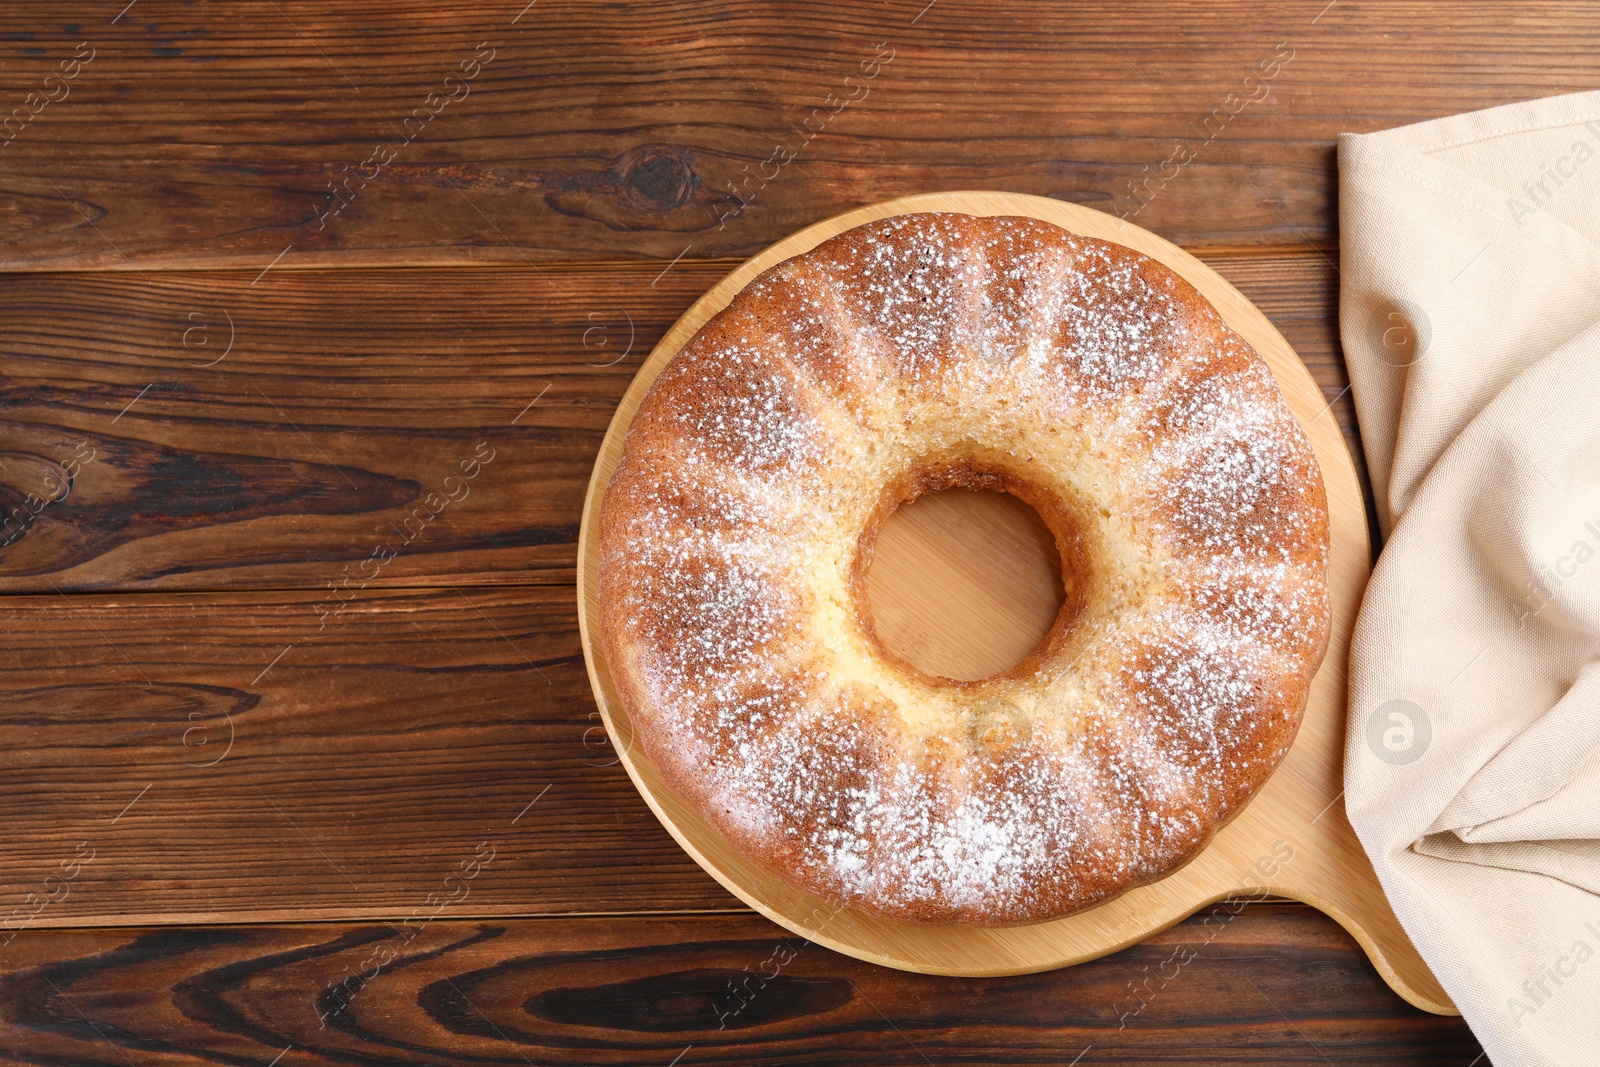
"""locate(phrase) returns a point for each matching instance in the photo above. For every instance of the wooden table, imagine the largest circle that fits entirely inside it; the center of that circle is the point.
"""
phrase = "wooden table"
(298, 760)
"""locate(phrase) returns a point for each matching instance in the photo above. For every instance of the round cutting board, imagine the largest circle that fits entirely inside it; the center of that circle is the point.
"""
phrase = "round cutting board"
(1293, 839)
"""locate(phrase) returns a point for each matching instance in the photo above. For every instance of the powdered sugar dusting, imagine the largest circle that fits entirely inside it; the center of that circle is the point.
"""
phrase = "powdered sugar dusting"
(1116, 330)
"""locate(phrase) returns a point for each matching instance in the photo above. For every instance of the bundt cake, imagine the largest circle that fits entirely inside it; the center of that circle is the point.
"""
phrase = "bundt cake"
(928, 351)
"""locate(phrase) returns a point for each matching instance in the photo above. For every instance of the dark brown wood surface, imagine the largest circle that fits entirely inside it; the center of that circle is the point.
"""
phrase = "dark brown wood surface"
(347, 396)
(1236, 984)
(201, 135)
(246, 682)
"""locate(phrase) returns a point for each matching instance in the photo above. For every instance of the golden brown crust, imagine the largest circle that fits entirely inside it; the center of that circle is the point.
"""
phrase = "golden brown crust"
(923, 352)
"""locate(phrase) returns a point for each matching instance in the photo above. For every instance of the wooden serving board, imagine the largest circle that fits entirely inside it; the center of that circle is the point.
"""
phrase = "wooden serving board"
(1293, 839)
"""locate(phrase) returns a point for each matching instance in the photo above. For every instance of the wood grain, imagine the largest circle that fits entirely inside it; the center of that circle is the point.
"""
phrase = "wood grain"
(345, 398)
(1240, 984)
(252, 437)
(239, 756)
(203, 136)
(965, 584)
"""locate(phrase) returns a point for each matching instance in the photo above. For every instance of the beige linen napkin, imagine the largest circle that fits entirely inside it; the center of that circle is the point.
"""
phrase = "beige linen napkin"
(1470, 316)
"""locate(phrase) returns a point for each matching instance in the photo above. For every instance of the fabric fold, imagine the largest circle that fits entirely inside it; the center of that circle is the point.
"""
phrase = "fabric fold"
(1537, 765)
(1470, 318)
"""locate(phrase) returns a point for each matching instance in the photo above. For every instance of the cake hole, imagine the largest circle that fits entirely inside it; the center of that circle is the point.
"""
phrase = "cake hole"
(964, 584)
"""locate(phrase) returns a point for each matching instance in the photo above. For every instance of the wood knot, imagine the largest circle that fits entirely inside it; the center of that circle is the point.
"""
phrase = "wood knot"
(657, 178)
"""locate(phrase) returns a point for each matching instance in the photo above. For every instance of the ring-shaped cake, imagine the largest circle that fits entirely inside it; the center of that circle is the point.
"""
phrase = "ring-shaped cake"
(930, 351)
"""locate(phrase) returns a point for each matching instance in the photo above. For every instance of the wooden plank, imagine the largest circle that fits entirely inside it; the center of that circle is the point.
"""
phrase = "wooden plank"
(299, 455)
(263, 756)
(346, 398)
(1239, 984)
(286, 134)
